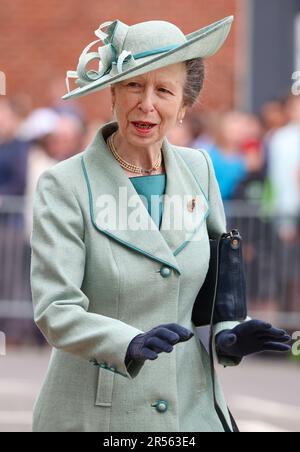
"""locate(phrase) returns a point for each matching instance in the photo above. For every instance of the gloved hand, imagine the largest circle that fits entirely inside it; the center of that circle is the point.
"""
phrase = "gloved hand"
(159, 339)
(253, 336)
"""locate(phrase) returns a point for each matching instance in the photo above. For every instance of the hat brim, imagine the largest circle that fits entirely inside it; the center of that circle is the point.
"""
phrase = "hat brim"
(202, 43)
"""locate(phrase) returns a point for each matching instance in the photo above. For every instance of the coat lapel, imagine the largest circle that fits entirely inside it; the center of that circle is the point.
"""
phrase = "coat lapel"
(118, 211)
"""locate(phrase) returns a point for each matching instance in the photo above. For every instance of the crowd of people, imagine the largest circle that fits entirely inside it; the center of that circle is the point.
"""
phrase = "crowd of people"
(256, 160)
(256, 157)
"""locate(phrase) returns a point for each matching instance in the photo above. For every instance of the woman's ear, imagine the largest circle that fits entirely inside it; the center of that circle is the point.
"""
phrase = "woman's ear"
(182, 112)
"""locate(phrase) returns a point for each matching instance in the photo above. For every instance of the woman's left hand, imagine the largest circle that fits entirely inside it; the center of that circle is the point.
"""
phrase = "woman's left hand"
(253, 336)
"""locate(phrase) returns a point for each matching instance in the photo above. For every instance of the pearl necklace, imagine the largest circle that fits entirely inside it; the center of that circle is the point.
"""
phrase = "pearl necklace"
(130, 166)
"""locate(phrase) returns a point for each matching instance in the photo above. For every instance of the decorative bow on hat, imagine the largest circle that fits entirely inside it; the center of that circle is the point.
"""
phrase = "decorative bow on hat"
(111, 56)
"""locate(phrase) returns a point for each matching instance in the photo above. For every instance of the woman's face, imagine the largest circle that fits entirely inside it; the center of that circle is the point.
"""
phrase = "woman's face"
(155, 97)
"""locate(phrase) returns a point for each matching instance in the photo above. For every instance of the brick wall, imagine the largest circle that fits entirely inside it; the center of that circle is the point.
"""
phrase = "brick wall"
(40, 41)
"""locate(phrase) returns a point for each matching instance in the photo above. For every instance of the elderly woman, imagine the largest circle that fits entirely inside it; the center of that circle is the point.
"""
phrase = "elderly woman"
(114, 277)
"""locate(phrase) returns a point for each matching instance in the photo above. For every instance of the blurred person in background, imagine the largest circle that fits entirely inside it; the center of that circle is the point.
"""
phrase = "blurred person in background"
(55, 92)
(28, 147)
(20, 157)
(273, 116)
(262, 256)
(284, 174)
(250, 144)
(54, 137)
(203, 127)
(37, 129)
(237, 160)
(231, 164)
(13, 151)
(67, 139)
(258, 246)
(13, 162)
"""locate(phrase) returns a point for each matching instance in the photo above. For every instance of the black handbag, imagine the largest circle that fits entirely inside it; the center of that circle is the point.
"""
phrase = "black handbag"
(222, 297)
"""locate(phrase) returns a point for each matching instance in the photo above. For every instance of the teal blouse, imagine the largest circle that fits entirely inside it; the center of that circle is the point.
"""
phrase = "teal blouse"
(152, 185)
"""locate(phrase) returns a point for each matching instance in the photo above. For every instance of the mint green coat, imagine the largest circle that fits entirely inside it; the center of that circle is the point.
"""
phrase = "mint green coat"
(96, 286)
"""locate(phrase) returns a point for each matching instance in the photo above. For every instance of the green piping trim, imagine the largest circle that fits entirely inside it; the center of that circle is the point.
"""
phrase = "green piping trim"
(137, 56)
(204, 219)
(114, 51)
(155, 51)
(195, 232)
(111, 235)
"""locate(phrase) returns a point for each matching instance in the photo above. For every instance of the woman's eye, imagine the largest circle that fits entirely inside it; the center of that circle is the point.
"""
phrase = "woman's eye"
(133, 84)
(165, 90)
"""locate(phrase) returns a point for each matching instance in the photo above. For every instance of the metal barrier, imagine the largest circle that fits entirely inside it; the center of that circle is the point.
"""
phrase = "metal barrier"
(15, 295)
(272, 266)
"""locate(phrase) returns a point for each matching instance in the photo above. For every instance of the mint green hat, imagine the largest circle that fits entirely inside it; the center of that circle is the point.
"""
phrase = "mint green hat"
(129, 51)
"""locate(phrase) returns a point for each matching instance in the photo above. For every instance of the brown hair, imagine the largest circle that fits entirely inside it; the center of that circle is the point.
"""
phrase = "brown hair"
(195, 74)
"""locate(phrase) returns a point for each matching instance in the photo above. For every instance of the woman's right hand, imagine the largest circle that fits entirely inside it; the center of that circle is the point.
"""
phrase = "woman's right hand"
(159, 339)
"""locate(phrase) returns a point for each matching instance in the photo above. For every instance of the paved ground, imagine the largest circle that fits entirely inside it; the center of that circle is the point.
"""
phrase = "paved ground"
(263, 395)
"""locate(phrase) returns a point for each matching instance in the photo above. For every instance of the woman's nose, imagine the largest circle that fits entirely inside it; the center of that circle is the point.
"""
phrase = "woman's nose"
(146, 102)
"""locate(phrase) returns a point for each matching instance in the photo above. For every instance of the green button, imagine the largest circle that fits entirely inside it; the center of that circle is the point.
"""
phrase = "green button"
(161, 406)
(165, 272)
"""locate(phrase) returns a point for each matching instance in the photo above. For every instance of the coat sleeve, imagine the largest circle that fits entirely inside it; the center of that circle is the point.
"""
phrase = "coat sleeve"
(58, 256)
(216, 225)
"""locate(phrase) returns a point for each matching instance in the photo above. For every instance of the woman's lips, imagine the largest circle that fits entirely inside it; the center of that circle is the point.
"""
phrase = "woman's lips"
(143, 130)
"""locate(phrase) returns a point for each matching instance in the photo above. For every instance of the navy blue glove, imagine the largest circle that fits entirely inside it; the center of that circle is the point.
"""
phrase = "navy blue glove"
(253, 336)
(159, 339)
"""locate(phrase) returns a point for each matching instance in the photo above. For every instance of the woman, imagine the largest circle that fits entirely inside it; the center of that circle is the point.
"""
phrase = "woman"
(113, 286)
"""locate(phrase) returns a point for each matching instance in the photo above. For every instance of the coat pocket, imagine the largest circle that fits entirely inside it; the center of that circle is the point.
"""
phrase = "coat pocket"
(104, 387)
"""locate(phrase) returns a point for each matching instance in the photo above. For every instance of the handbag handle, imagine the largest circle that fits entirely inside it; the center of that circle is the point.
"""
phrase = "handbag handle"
(211, 355)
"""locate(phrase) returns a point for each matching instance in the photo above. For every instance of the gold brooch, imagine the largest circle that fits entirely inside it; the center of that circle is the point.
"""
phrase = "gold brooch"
(191, 205)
